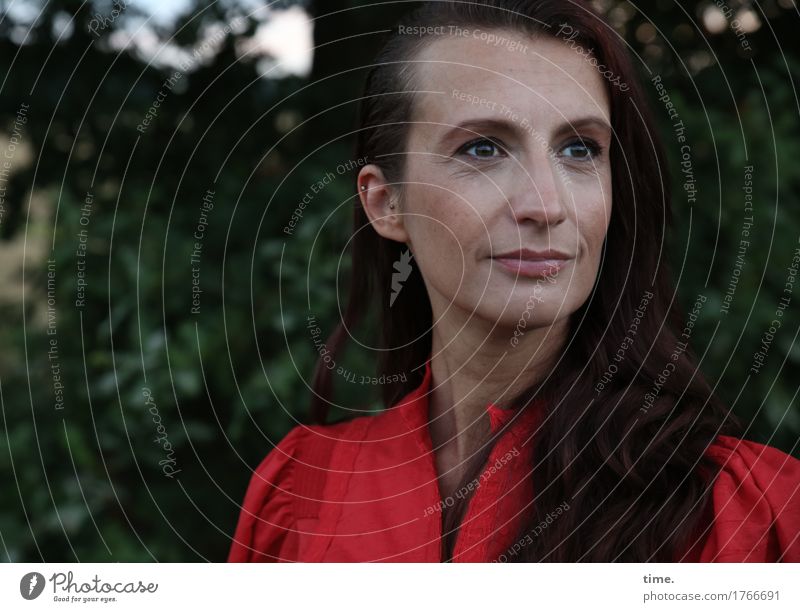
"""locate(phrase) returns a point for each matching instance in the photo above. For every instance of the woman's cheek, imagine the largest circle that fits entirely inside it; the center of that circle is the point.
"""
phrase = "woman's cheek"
(596, 227)
(446, 222)
(438, 249)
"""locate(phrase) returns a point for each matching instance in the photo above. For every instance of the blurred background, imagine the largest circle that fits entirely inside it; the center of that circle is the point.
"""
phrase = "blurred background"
(155, 294)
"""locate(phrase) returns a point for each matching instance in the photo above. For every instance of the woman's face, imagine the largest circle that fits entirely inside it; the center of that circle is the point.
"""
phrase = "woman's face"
(507, 150)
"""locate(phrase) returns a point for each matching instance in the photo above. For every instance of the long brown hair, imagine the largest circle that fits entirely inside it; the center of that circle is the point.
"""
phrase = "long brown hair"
(627, 461)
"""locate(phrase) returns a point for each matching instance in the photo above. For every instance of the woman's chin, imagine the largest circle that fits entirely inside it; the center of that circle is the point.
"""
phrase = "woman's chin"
(520, 318)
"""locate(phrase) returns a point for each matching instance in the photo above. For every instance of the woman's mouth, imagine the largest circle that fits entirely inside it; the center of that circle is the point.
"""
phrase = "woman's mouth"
(533, 264)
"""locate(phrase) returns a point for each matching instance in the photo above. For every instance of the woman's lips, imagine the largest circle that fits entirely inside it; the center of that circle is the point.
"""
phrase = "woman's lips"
(533, 268)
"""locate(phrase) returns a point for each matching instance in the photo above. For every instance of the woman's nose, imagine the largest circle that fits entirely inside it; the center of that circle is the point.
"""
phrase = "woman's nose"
(539, 194)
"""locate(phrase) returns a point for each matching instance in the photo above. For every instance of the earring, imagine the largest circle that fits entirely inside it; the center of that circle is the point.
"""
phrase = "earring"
(363, 187)
(391, 206)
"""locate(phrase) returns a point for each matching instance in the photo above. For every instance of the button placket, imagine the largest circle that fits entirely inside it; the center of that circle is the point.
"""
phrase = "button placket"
(480, 527)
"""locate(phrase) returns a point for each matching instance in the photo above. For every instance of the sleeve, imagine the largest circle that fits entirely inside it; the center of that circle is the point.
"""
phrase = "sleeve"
(265, 531)
(756, 504)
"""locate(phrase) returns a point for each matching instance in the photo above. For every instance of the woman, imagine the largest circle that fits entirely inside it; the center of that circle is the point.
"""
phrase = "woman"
(543, 403)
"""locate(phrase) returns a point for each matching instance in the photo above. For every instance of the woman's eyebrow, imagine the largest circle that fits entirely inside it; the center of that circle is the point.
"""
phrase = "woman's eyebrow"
(481, 125)
(571, 126)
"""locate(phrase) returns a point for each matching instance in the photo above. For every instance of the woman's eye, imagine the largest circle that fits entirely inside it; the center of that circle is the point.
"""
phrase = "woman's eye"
(482, 149)
(582, 149)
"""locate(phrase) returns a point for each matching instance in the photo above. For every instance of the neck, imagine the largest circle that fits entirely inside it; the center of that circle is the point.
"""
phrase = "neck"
(472, 366)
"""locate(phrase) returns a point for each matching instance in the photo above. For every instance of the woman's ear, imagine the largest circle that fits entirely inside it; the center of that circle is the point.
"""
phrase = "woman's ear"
(381, 203)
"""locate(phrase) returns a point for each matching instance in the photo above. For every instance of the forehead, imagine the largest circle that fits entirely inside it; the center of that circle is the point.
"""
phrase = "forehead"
(538, 76)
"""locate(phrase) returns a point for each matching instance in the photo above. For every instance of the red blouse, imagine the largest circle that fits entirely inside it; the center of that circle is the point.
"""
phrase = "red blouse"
(367, 490)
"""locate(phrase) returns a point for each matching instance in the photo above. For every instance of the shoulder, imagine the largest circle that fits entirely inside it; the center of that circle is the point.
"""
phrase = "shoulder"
(752, 453)
(756, 503)
(754, 467)
(266, 517)
(287, 487)
(304, 447)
